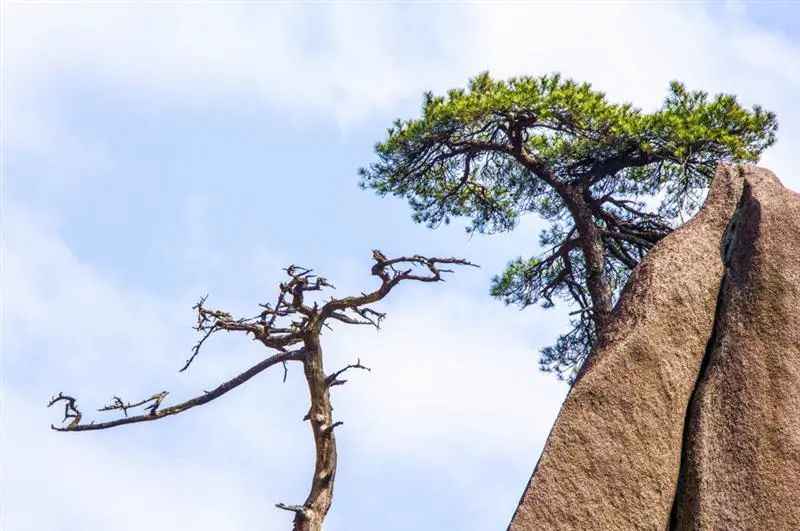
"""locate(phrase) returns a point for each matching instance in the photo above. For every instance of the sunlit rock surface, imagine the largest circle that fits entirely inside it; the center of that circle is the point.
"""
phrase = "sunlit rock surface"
(689, 417)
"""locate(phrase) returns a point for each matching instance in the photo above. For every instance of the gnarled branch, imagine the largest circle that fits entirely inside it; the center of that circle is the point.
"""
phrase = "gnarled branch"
(290, 321)
(154, 413)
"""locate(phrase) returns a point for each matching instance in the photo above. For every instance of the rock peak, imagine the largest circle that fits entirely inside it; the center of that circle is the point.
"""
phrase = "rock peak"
(686, 418)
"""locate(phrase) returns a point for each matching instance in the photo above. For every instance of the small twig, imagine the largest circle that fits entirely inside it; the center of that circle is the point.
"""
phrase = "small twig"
(117, 403)
(290, 321)
(201, 326)
(333, 426)
(333, 379)
(207, 396)
(196, 349)
(70, 410)
(293, 508)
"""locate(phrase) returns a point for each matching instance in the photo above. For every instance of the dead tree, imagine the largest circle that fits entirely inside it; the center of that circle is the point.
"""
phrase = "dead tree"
(292, 328)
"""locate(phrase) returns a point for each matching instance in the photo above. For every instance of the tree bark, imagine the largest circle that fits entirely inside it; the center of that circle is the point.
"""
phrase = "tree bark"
(288, 323)
(316, 506)
(591, 240)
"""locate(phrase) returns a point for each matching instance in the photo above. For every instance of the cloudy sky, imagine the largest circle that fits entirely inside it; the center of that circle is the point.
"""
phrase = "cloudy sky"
(155, 152)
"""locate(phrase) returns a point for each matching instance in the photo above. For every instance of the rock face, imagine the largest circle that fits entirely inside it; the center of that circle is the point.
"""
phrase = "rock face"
(687, 418)
(741, 463)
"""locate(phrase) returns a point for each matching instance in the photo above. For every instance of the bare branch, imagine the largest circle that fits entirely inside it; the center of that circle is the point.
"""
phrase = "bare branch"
(291, 320)
(155, 413)
(627, 237)
(117, 403)
(333, 379)
(368, 317)
(293, 508)
(391, 272)
(70, 410)
(265, 327)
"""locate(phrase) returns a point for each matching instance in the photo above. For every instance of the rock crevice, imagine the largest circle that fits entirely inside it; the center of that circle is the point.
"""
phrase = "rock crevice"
(728, 239)
(741, 463)
(678, 417)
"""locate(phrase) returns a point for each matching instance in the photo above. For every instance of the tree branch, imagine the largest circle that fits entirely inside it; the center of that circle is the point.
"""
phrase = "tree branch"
(70, 409)
(290, 321)
(154, 413)
(390, 274)
(333, 379)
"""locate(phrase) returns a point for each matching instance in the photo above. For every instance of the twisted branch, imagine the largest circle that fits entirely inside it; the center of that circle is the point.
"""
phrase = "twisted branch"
(333, 379)
(291, 320)
(70, 410)
(117, 403)
(154, 413)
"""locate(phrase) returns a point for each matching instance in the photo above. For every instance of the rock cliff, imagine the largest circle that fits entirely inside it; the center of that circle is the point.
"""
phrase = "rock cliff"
(687, 417)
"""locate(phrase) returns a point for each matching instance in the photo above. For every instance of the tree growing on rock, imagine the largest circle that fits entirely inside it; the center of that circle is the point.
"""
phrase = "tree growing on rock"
(610, 179)
(292, 327)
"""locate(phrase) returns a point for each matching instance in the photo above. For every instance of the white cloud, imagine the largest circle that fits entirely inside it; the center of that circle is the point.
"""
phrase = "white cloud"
(68, 327)
(69, 482)
(341, 59)
(73, 329)
(482, 380)
(454, 385)
(65, 305)
(454, 393)
(344, 62)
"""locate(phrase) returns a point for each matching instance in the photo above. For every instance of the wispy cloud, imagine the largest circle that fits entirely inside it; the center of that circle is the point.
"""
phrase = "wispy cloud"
(72, 329)
(454, 388)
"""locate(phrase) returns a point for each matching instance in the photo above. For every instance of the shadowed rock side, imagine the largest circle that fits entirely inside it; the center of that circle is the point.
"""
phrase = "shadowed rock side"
(741, 466)
(613, 456)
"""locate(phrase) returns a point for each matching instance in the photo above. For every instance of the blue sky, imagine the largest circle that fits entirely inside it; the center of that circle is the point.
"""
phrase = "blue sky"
(153, 153)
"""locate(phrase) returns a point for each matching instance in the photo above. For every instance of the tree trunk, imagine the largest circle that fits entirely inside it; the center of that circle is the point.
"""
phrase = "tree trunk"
(594, 255)
(316, 506)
